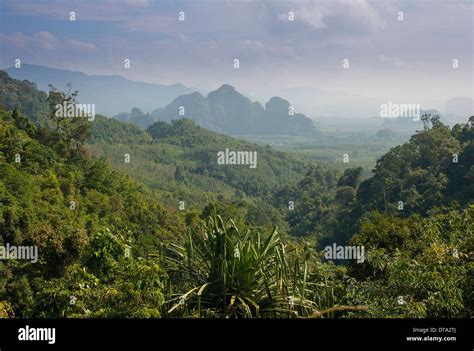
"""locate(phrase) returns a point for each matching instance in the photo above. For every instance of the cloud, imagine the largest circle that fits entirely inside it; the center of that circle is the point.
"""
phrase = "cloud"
(338, 16)
(273, 50)
(42, 41)
(328, 17)
(391, 61)
(44, 48)
(90, 10)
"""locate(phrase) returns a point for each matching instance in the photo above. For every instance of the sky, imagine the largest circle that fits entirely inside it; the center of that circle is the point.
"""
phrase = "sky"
(404, 61)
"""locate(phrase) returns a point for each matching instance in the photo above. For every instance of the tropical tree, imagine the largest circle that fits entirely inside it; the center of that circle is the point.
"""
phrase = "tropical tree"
(228, 273)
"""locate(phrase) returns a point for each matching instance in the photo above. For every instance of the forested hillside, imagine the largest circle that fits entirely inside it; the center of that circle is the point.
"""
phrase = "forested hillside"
(114, 239)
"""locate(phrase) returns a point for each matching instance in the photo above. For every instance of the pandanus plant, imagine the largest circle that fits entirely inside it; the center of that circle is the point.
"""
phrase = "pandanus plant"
(228, 273)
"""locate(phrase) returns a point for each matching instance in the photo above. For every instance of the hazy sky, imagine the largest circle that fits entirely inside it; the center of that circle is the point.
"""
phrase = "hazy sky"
(406, 61)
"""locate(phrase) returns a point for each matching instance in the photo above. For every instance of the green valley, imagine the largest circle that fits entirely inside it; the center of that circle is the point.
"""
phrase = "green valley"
(133, 222)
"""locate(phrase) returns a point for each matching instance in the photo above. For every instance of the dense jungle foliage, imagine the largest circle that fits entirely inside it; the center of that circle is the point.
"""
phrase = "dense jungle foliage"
(173, 234)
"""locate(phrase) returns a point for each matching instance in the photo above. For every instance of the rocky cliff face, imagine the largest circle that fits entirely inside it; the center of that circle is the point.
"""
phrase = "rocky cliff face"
(228, 111)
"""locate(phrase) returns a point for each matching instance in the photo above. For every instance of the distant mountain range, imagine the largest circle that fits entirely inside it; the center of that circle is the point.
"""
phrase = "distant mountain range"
(223, 110)
(227, 111)
(110, 94)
